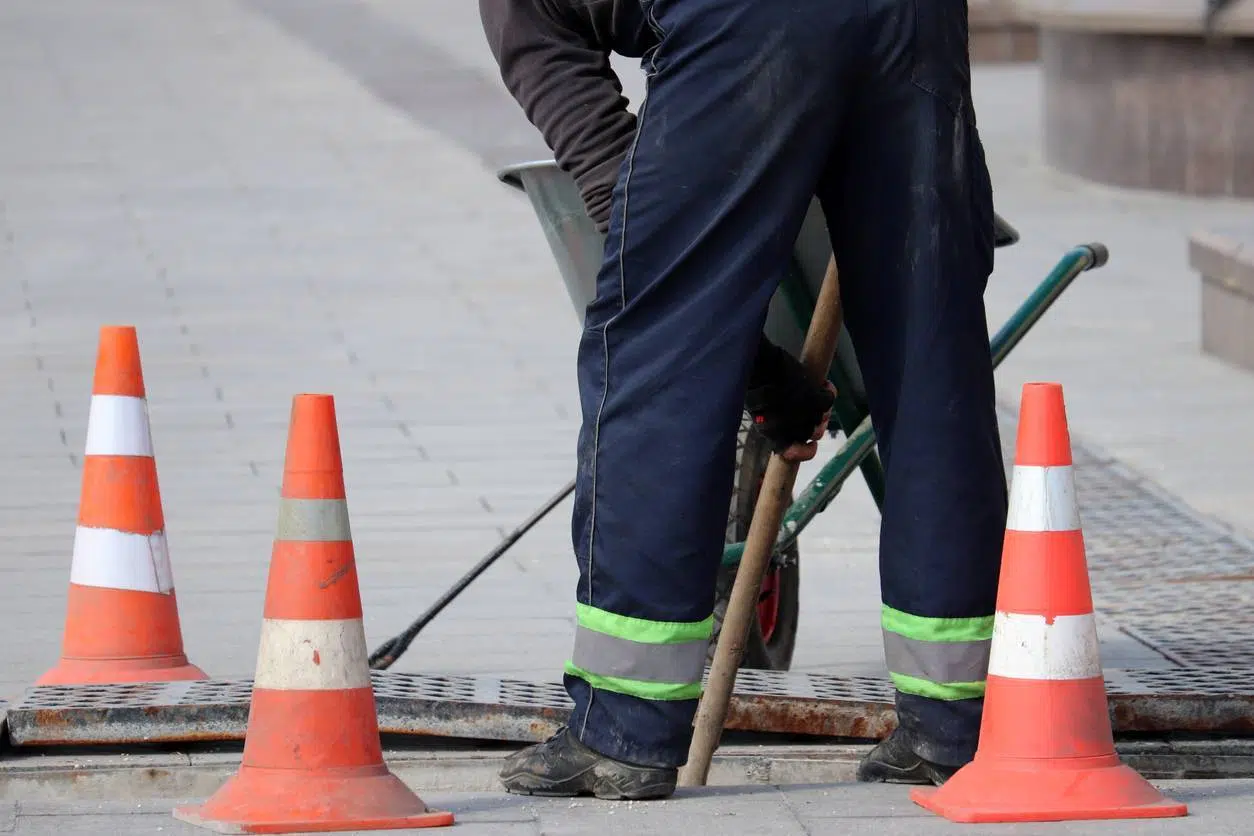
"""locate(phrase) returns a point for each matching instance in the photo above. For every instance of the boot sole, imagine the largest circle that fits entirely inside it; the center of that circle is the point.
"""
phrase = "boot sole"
(918, 774)
(524, 783)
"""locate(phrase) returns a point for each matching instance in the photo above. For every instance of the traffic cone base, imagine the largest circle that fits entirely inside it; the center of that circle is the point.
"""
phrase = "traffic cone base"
(1085, 788)
(362, 799)
(97, 616)
(1046, 750)
(313, 759)
(121, 671)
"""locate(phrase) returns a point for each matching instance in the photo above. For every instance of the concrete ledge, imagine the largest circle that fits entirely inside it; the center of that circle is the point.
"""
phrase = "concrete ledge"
(1137, 17)
(1135, 96)
(197, 774)
(1225, 263)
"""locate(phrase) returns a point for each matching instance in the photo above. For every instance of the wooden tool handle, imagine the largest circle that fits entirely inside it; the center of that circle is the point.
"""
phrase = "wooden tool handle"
(774, 498)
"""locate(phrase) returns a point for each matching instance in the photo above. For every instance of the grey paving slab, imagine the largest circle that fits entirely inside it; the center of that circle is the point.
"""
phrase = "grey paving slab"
(1217, 808)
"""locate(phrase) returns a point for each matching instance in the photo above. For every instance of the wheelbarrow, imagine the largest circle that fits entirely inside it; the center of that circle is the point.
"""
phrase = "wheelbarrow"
(577, 248)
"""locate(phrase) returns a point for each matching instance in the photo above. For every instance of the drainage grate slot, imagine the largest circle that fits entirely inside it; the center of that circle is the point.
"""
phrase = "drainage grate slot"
(424, 687)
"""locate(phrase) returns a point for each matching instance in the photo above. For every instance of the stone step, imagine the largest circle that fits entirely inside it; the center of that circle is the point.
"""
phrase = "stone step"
(999, 34)
(1225, 261)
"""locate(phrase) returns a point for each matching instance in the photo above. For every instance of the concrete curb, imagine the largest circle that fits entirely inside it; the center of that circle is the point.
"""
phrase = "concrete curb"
(138, 777)
(90, 776)
(1189, 759)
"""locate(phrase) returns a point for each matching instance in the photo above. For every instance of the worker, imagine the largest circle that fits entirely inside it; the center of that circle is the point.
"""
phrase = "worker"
(751, 109)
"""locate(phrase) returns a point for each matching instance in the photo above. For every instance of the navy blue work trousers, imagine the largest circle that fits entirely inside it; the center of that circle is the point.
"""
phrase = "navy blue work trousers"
(752, 109)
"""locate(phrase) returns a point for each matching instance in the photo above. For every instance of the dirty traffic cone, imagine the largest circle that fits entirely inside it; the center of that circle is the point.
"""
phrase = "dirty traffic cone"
(312, 755)
(1046, 750)
(122, 620)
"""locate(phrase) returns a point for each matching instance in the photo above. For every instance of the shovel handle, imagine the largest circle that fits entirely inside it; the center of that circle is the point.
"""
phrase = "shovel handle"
(817, 354)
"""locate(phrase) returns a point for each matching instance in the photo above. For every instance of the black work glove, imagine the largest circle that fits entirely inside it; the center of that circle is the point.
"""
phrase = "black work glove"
(786, 407)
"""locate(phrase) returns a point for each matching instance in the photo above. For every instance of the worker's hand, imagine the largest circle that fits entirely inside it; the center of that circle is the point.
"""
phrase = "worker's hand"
(783, 411)
(807, 451)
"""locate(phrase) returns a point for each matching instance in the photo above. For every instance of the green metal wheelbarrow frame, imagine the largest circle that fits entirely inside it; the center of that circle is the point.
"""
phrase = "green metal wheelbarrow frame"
(577, 247)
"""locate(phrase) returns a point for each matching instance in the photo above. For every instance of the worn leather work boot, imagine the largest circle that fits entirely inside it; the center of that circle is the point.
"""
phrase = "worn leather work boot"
(562, 766)
(894, 762)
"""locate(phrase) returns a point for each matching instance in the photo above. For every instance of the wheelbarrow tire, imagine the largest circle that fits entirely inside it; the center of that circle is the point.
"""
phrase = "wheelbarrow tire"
(773, 650)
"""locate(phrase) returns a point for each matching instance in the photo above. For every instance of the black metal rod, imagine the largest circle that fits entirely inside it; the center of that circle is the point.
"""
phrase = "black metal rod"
(391, 650)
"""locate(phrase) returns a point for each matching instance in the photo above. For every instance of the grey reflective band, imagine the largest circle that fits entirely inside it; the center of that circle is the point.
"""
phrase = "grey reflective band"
(939, 662)
(313, 520)
(605, 655)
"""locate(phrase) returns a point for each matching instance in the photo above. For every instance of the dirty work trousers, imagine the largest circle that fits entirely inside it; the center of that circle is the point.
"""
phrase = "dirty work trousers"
(753, 108)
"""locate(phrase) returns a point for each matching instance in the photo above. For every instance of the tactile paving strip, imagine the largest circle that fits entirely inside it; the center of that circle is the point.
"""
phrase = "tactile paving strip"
(1176, 582)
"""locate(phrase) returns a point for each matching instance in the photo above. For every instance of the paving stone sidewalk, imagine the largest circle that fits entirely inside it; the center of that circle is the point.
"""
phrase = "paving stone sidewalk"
(297, 196)
(1217, 808)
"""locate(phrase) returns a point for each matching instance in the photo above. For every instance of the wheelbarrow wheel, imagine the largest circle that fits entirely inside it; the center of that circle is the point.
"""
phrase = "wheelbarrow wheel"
(773, 634)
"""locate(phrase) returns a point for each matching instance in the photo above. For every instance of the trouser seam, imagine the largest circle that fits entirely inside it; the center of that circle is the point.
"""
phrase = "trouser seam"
(605, 368)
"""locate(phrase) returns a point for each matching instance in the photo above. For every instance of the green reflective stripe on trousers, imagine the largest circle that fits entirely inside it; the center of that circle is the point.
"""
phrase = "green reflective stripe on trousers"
(937, 658)
(641, 629)
(927, 629)
(652, 660)
(937, 690)
(636, 688)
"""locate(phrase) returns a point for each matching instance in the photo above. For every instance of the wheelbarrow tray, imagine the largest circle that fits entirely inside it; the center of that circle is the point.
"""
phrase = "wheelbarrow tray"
(577, 247)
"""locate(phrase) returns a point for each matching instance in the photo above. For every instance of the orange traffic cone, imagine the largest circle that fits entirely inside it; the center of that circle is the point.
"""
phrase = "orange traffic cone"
(122, 619)
(1046, 750)
(313, 760)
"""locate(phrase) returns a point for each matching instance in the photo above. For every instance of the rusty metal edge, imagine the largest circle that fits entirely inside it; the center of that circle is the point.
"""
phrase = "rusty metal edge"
(136, 725)
(1129, 714)
(811, 717)
(470, 721)
(143, 725)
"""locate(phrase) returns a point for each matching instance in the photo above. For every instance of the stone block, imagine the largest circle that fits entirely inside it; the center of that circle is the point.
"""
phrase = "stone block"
(1136, 96)
(998, 35)
(1225, 263)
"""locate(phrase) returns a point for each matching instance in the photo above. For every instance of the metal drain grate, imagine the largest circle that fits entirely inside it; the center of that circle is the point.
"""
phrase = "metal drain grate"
(487, 708)
(1168, 578)
(1192, 681)
(816, 686)
(533, 694)
(423, 687)
(210, 692)
(1173, 580)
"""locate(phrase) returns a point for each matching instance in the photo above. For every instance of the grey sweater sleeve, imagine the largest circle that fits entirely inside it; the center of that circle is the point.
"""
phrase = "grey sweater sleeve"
(554, 60)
